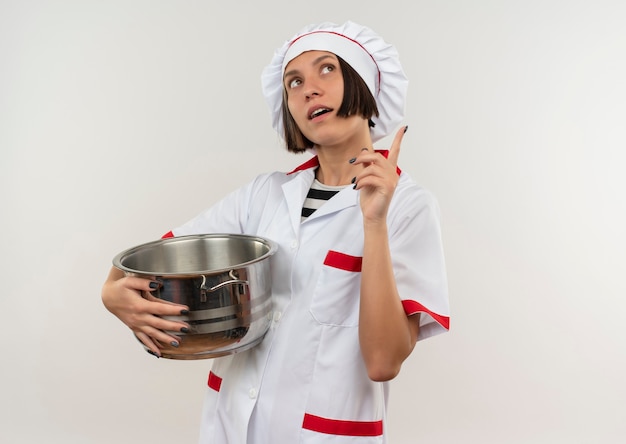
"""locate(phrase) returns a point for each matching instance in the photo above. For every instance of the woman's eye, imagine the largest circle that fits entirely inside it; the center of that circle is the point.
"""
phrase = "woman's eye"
(328, 68)
(293, 83)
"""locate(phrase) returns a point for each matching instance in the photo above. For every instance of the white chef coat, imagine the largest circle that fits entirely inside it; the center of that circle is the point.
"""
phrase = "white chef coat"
(306, 382)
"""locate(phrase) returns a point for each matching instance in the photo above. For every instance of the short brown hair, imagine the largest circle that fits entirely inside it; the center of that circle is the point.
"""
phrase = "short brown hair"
(357, 99)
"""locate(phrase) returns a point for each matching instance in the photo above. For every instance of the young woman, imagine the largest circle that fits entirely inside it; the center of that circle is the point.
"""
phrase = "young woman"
(359, 276)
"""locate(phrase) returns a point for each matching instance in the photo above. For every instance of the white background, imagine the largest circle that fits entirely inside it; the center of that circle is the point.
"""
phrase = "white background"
(122, 119)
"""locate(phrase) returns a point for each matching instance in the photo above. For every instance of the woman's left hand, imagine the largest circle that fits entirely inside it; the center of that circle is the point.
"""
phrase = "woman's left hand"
(378, 179)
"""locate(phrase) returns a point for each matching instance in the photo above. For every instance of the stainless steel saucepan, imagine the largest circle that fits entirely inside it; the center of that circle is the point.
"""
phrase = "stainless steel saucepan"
(224, 279)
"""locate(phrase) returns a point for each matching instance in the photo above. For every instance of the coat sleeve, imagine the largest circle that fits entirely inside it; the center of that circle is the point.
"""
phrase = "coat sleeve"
(418, 258)
(231, 214)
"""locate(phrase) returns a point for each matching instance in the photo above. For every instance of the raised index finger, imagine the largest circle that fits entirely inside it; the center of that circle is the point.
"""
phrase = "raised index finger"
(394, 151)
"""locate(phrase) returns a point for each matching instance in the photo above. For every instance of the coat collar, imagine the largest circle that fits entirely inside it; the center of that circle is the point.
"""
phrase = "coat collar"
(296, 189)
(314, 162)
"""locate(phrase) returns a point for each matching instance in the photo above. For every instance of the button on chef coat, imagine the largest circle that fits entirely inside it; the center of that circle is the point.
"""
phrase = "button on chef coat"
(306, 382)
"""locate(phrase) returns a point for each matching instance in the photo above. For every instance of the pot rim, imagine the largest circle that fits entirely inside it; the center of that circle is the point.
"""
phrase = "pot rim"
(117, 260)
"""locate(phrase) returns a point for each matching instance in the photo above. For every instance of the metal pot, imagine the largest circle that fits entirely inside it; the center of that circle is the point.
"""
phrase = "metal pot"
(225, 281)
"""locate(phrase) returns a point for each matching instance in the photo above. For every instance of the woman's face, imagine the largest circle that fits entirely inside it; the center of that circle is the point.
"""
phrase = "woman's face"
(314, 85)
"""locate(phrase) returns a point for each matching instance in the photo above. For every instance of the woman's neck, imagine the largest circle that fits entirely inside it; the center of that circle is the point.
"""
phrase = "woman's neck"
(335, 167)
(334, 159)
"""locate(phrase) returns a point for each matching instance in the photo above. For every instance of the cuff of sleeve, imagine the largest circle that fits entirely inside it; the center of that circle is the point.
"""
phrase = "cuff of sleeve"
(413, 307)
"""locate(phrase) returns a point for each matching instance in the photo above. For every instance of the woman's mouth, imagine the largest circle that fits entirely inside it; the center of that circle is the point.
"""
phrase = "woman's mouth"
(318, 112)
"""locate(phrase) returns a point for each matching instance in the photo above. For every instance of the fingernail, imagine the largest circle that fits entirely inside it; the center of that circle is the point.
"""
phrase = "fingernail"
(152, 353)
(184, 330)
(406, 128)
(354, 187)
(174, 344)
(184, 312)
(352, 160)
(154, 285)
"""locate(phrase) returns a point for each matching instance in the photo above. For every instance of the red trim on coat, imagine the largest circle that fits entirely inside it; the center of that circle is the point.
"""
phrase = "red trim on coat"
(412, 307)
(215, 382)
(167, 235)
(314, 162)
(344, 428)
(343, 261)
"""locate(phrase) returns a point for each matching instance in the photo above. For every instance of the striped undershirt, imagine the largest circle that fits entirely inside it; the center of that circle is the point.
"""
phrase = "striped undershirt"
(317, 195)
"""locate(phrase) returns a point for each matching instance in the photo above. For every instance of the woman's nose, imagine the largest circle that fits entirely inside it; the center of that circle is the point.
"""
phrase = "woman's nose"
(312, 91)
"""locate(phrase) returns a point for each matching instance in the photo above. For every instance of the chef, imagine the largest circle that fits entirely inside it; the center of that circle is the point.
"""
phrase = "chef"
(359, 276)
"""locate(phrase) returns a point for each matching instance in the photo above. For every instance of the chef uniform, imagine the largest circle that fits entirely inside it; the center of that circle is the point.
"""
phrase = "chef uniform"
(306, 382)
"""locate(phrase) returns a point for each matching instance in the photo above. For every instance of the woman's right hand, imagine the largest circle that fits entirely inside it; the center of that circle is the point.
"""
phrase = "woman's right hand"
(122, 296)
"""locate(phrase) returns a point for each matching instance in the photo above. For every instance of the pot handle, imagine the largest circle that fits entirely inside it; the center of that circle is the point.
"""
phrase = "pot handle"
(223, 284)
(234, 281)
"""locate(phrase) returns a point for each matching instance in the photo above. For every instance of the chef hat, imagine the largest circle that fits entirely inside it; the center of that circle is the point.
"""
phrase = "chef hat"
(374, 60)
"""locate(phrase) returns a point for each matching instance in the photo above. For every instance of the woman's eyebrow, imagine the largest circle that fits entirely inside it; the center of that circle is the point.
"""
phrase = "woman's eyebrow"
(316, 61)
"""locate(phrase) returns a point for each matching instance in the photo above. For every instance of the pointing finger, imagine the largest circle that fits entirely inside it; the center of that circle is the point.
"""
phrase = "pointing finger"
(394, 151)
